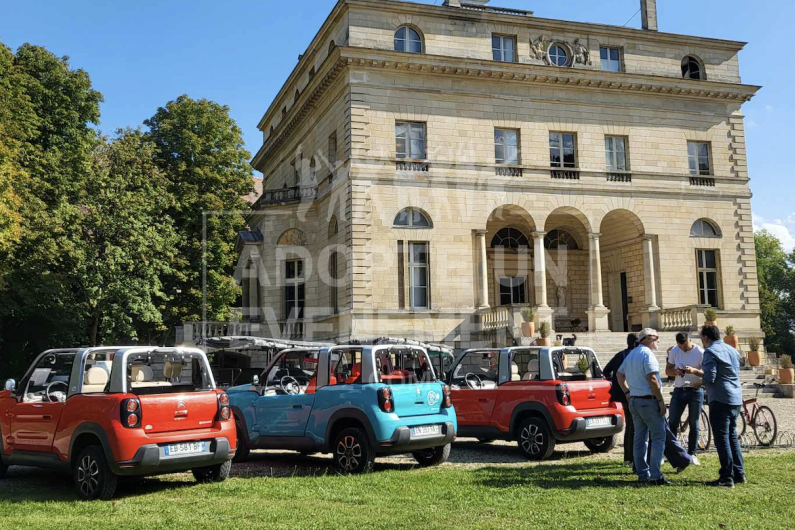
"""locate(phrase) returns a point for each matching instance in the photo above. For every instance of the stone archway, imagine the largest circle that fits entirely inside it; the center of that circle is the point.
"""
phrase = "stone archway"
(509, 259)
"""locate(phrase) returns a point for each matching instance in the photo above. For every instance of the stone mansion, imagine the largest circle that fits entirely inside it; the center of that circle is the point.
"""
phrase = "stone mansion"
(429, 170)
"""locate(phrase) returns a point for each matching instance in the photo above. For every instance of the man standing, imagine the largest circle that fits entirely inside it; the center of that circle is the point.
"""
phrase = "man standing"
(721, 376)
(687, 388)
(610, 372)
(639, 376)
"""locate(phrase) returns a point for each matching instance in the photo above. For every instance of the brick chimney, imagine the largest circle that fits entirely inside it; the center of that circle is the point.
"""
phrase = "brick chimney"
(648, 14)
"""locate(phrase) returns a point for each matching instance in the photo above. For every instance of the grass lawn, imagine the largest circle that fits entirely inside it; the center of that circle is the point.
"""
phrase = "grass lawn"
(573, 494)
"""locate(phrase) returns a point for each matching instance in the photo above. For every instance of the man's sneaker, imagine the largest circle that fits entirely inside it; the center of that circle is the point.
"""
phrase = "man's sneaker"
(662, 481)
(740, 480)
(723, 483)
(695, 461)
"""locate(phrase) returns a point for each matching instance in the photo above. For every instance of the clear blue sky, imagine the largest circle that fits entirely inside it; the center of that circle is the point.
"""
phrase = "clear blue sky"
(141, 54)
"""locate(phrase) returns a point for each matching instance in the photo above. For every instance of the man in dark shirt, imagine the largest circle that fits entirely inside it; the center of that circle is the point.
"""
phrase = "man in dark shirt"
(617, 395)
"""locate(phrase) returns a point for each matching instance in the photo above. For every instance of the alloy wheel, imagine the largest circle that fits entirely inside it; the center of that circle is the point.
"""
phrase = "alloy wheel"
(349, 452)
(88, 475)
(532, 439)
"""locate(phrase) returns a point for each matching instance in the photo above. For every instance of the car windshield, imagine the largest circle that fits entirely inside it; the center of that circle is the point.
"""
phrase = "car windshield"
(167, 372)
(576, 365)
(403, 366)
(291, 373)
(50, 379)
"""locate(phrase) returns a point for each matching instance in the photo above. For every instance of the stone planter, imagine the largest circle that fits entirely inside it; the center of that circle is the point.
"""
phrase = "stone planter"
(528, 329)
(731, 340)
(754, 358)
(543, 341)
(785, 376)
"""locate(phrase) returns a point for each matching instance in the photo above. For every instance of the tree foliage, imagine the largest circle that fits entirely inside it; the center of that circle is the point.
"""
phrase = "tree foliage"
(776, 292)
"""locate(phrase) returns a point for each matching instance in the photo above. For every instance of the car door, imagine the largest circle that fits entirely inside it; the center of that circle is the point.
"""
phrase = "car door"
(283, 415)
(35, 415)
(474, 406)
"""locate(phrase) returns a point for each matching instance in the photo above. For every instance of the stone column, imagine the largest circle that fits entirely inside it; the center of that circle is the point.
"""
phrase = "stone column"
(597, 312)
(542, 309)
(482, 274)
(652, 310)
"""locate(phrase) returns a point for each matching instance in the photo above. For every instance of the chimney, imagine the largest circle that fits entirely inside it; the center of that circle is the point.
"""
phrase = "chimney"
(648, 13)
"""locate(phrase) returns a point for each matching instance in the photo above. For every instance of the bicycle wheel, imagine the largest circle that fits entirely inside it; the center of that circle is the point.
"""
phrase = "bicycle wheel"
(741, 431)
(704, 431)
(765, 426)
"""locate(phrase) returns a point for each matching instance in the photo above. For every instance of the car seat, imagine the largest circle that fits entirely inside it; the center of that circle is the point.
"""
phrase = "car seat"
(95, 380)
(356, 374)
(532, 371)
(515, 372)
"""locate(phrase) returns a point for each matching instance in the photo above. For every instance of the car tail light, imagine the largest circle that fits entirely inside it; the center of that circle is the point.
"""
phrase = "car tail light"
(224, 412)
(564, 398)
(131, 413)
(448, 398)
(385, 400)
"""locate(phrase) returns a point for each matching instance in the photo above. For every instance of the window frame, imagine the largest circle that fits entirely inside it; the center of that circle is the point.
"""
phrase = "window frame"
(333, 265)
(426, 266)
(408, 153)
(502, 51)
(619, 61)
(501, 145)
(697, 158)
(613, 160)
(561, 149)
(686, 72)
(702, 276)
(298, 283)
(407, 40)
(510, 236)
(410, 218)
(516, 284)
(566, 52)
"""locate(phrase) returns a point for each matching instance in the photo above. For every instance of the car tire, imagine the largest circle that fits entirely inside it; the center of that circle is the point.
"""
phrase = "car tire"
(535, 439)
(92, 476)
(352, 452)
(243, 450)
(433, 456)
(216, 473)
(601, 445)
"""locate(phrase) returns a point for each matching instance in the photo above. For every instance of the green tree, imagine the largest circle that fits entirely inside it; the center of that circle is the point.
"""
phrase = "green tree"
(126, 243)
(776, 282)
(200, 150)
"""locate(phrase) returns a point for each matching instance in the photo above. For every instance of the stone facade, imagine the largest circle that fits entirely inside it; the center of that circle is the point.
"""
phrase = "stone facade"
(632, 259)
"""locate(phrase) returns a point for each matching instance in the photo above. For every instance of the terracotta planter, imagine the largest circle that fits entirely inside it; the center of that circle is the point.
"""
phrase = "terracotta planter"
(543, 342)
(731, 340)
(754, 358)
(528, 329)
(785, 376)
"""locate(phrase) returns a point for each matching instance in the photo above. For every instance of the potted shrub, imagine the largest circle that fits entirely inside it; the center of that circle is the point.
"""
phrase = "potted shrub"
(730, 338)
(583, 365)
(786, 371)
(711, 317)
(544, 329)
(528, 326)
(754, 357)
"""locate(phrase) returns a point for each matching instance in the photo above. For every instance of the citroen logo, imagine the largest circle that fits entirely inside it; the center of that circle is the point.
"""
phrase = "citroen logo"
(181, 405)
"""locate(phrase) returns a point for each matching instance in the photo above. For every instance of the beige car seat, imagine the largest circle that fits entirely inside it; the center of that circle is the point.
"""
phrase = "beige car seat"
(515, 372)
(95, 380)
(532, 371)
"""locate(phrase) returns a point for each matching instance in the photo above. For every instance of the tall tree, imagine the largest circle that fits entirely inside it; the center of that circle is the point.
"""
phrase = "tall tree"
(200, 150)
(776, 282)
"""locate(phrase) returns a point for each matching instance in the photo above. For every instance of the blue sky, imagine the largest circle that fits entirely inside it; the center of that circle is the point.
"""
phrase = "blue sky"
(141, 54)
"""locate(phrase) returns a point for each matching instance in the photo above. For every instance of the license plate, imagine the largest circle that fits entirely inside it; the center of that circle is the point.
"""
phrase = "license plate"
(186, 448)
(598, 422)
(426, 430)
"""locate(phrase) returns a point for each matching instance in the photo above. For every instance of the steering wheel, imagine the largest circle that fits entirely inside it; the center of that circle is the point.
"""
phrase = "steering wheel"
(474, 381)
(57, 397)
(289, 385)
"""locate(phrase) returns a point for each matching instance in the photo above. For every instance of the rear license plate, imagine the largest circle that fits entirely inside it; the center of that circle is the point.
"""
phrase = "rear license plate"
(426, 430)
(598, 422)
(186, 448)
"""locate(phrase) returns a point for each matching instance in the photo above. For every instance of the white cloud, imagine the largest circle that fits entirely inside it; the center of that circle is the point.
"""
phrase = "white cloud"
(783, 230)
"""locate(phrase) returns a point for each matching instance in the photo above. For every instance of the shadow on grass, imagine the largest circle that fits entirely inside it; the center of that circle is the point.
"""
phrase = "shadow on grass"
(283, 464)
(470, 451)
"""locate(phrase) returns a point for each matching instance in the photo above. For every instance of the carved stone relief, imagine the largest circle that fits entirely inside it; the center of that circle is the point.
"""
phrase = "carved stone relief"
(577, 51)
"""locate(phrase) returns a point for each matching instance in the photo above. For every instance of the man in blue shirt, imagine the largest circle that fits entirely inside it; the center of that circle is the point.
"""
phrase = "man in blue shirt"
(639, 377)
(721, 376)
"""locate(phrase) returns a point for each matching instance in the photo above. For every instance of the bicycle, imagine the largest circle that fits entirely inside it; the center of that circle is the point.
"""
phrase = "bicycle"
(704, 430)
(760, 418)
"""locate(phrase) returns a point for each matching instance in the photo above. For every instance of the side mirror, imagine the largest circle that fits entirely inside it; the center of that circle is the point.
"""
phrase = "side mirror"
(11, 385)
(255, 380)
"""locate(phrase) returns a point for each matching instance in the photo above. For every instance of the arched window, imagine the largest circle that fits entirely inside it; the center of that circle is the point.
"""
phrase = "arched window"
(692, 68)
(407, 39)
(510, 238)
(333, 226)
(560, 238)
(704, 228)
(412, 218)
(558, 55)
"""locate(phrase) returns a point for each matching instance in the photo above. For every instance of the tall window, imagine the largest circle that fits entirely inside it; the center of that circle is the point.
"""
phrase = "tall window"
(296, 173)
(408, 40)
(562, 150)
(692, 69)
(503, 48)
(616, 153)
(707, 263)
(410, 140)
(418, 275)
(611, 59)
(512, 291)
(698, 158)
(333, 265)
(506, 146)
(332, 149)
(294, 292)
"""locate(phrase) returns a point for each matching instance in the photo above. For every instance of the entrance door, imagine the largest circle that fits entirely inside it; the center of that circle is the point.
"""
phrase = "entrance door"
(619, 302)
(624, 302)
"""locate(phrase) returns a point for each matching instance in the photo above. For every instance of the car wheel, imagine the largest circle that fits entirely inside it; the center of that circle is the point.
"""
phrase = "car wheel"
(535, 440)
(92, 475)
(433, 456)
(216, 473)
(243, 450)
(352, 451)
(601, 445)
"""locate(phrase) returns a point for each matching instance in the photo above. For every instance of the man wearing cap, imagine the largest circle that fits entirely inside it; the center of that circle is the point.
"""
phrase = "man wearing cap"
(687, 388)
(639, 377)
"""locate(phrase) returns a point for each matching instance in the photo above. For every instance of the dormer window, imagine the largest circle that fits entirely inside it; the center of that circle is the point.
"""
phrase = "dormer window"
(692, 68)
(407, 39)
